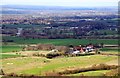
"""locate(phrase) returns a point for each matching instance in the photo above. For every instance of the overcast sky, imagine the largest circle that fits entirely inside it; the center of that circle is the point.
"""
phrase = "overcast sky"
(62, 2)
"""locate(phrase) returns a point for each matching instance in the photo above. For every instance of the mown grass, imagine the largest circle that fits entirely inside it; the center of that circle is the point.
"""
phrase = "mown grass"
(19, 40)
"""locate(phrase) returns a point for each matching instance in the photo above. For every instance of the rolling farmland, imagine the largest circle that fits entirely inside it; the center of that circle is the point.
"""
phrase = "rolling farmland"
(38, 66)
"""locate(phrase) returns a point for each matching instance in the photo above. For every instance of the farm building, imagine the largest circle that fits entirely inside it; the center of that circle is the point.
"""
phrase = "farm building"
(81, 49)
(65, 49)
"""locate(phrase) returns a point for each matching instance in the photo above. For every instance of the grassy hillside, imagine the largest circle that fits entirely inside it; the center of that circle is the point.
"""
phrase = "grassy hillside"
(40, 65)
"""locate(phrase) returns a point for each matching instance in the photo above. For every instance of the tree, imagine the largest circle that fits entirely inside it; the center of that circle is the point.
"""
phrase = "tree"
(101, 45)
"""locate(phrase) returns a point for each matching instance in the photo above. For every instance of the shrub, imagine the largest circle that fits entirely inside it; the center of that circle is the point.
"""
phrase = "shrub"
(92, 68)
(52, 55)
(1, 72)
(52, 74)
(113, 72)
(85, 54)
(45, 47)
(12, 75)
(62, 48)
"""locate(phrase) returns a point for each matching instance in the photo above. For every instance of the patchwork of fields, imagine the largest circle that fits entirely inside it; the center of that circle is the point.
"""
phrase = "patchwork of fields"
(14, 61)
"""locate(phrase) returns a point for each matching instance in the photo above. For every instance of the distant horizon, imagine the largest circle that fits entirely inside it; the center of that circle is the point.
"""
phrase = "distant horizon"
(59, 6)
(65, 3)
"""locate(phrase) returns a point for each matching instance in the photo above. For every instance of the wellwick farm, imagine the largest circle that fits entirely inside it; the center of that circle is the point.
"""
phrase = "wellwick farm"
(68, 41)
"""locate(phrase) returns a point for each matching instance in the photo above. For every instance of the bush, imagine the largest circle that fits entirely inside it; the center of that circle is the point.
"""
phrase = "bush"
(56, 54)
(52, 55)
(113, 72)
(52, 74)
(39, 47)
(92, 68)
(45, 47)
(62, 48)
(39, 55)
(12, 75)
(85, 54)
(1, 72)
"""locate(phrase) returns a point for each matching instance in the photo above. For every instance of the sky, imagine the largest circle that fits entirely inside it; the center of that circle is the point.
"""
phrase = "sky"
(61, 2)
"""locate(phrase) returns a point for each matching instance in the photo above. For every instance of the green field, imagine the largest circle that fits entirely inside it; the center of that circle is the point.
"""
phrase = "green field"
(4, 56)
(10, 48)
(37, 66)
(19, 40)
(91, 73)
(13, 63)
(14, 46)
(110, 49)
(108, 32)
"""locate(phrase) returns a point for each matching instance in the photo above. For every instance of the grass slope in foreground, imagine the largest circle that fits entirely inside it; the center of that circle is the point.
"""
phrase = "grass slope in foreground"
(38, 66)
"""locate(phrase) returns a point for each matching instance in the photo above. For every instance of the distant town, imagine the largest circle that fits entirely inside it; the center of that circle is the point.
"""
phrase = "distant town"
(68, 23)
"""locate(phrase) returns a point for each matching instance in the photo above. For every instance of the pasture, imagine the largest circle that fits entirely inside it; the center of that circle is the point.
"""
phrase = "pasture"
(17, 41)
(66, 42)
(4, 56)
(91, 73)
(41, 65)
(34, 65)
(110, 49)
(11, 48)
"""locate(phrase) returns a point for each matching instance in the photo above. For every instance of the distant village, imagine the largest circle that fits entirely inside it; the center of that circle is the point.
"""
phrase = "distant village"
(58, 30)
(76, 24)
